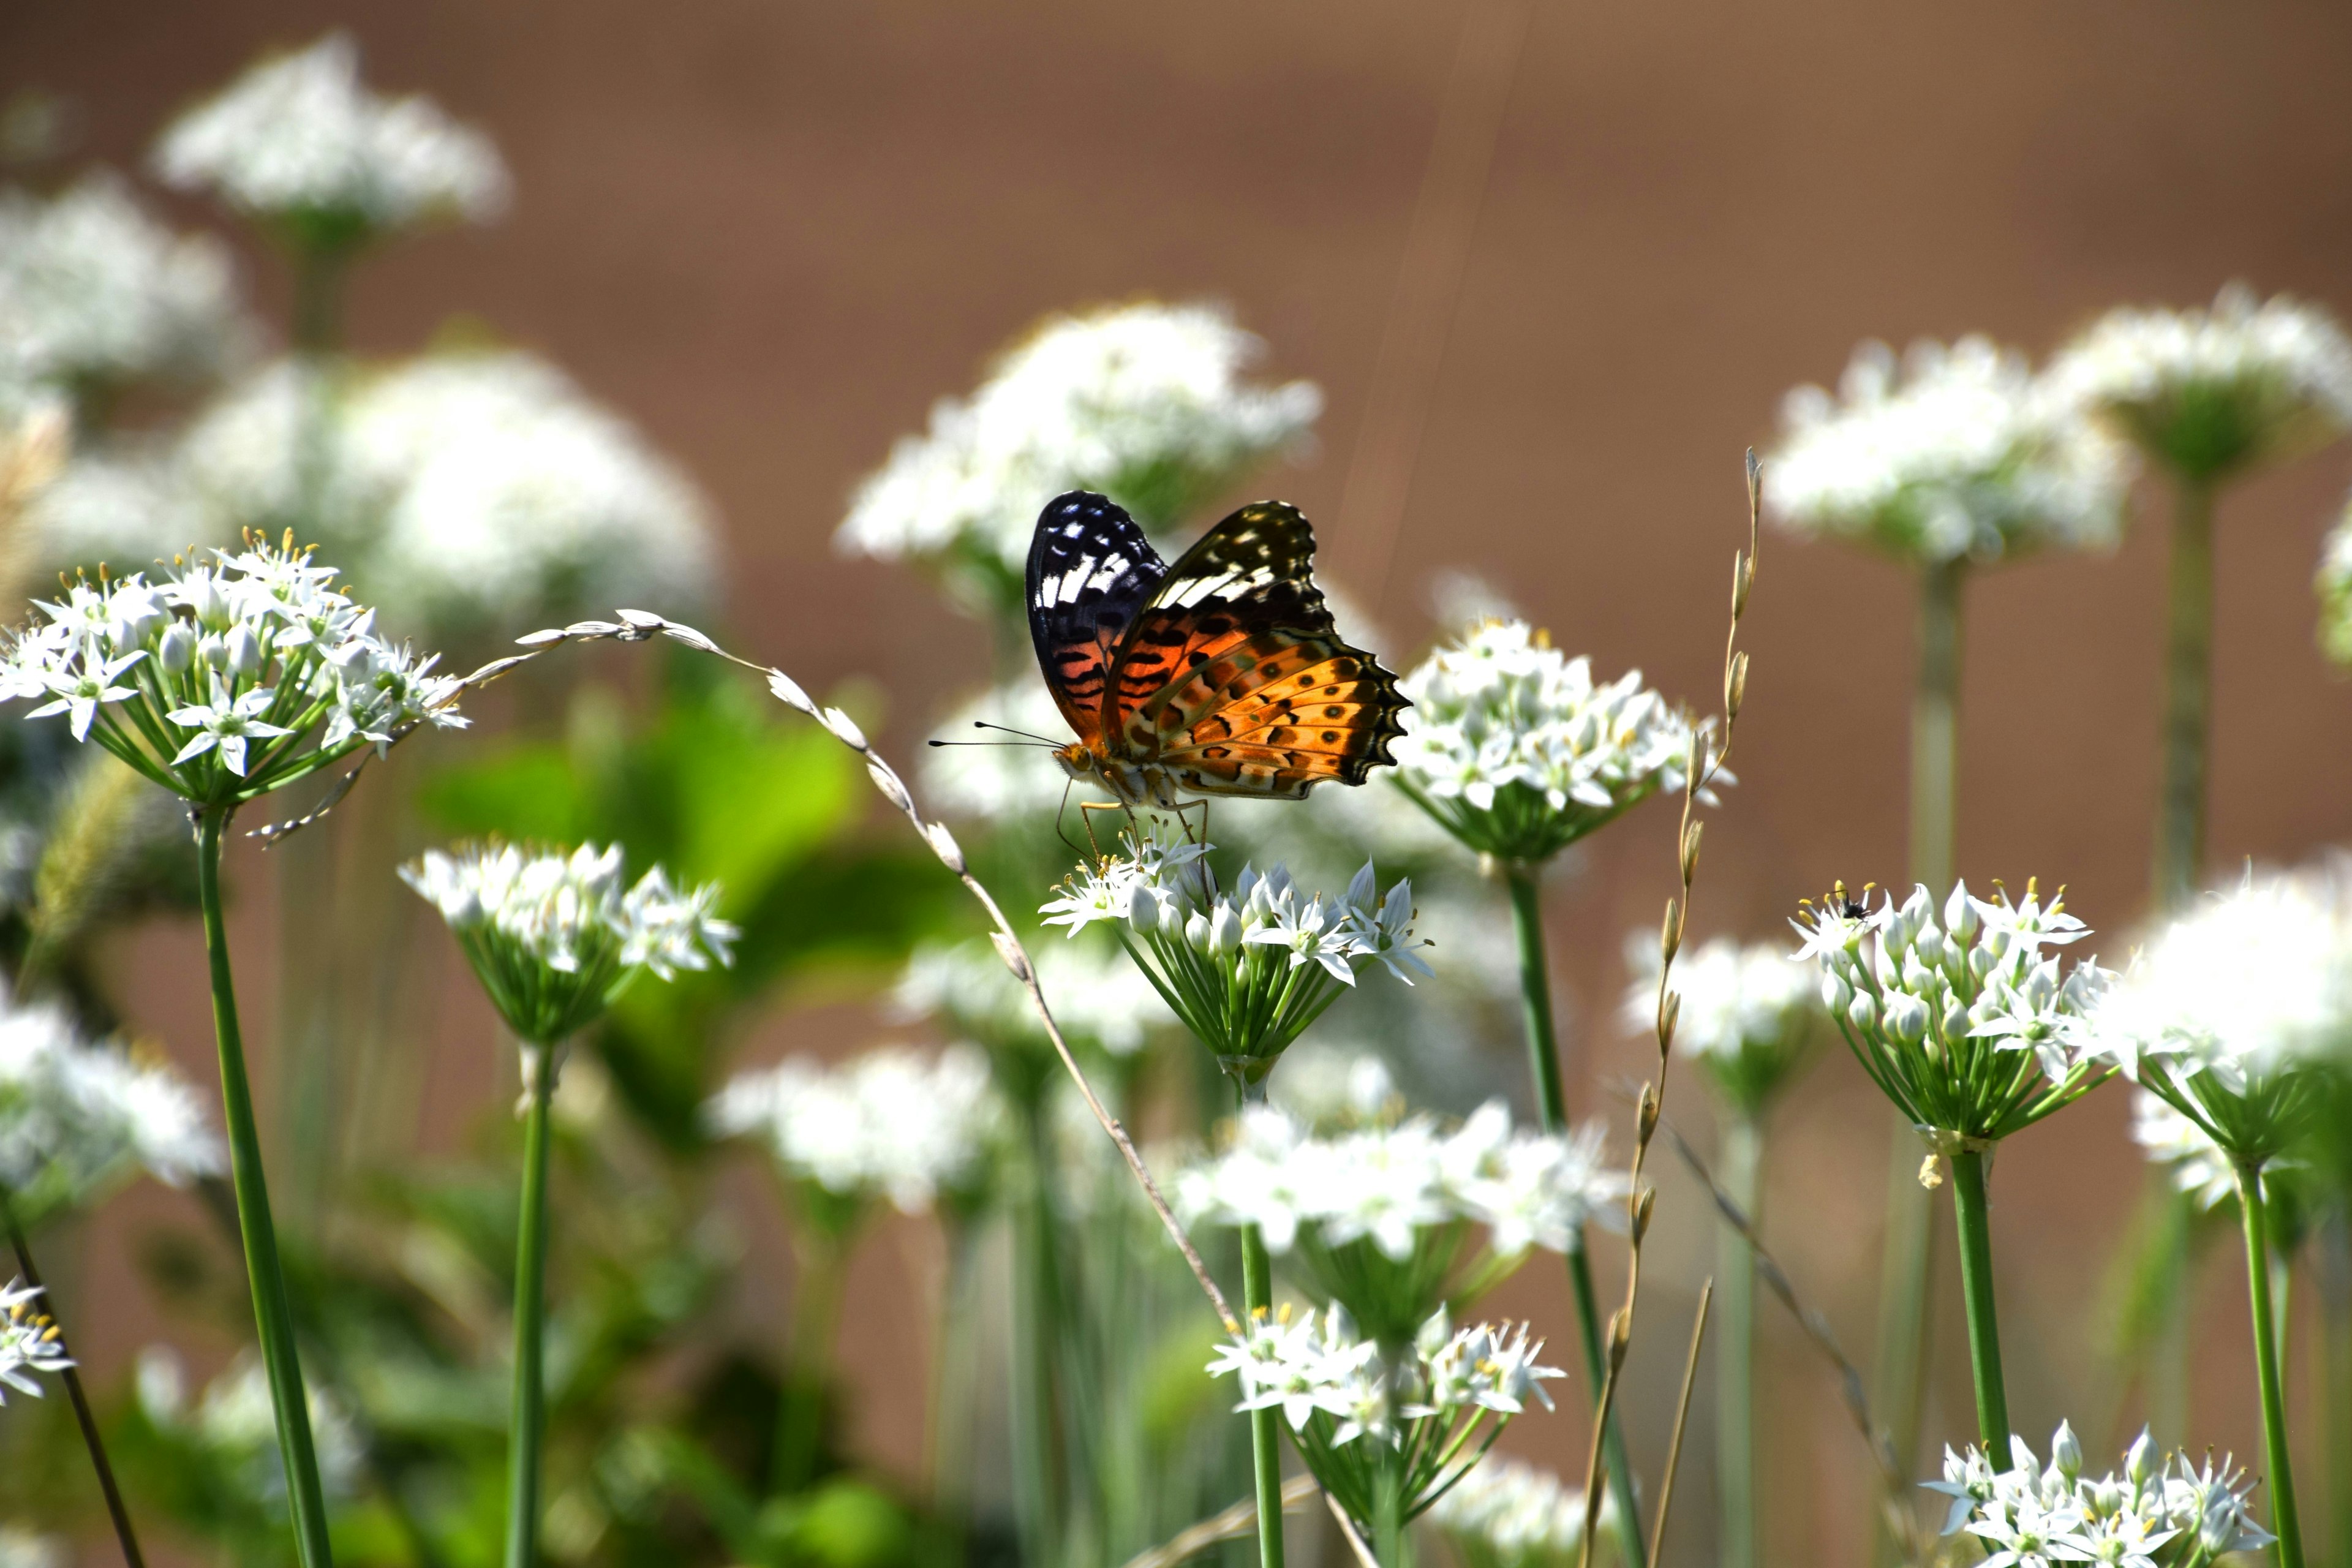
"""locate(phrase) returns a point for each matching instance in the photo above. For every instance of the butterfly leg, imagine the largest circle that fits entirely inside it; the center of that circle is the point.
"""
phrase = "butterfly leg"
(1087, 809)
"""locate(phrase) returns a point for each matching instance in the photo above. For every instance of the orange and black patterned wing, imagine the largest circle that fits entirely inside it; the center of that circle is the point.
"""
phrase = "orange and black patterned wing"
(1091, 570)
(1234, 678)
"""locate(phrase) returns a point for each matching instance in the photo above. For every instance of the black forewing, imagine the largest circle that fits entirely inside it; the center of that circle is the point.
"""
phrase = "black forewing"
(1091, 570)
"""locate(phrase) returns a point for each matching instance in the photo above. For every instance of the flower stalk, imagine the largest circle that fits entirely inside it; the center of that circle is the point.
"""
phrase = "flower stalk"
(2188, 696)
(1971, 1217)
(1734, 1350)
(2255, 1212)
(1266, 1440)
(528, 1416)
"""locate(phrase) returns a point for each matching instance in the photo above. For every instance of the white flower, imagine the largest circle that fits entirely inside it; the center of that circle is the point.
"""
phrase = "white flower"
(553, 935)
(1322, 1084)
(2199, 1166)
(119, 501)
(297, 138)
(2208, 391)
(95, 295)
(1956, 453)
(1507, 1513)
(231, 723)
(1095, 995)
(1516, 752)
(76, 1117)
(1147, 401)
(234, 1422)
(20, 1548)
(2148, 1514)
(29, 1341)
(1745, 1011)
(1535, 1189)
(1317, 1366)
(891, 1123)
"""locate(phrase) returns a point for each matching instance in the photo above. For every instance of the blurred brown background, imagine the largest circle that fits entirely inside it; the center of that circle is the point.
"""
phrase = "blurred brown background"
(773, 234)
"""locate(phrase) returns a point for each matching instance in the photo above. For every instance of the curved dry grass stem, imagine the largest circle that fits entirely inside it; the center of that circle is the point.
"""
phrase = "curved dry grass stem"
(1698, 772)
(1233, 1523)
(642, 625)
(1681, 1418)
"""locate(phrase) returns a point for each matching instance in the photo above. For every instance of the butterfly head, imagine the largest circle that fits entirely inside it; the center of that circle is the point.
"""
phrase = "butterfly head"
(1134, 784)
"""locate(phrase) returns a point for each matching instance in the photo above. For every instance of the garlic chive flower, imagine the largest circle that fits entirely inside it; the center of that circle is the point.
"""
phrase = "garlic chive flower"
(1151, 403)
(2333, 583)
(1954, 453)
(2199, 1166)
(226, 677)
(1385, 1430)
(29, 1341)
(1245, 971)
(22, 1548)
(1096, 995)
(1747, 1015)
(1508, 1514)
(1380, 1219)
(230, 1432)
(2230, 1011)
(300, 143)
(553, 936)
(2208, 392)
(1965, 1025)
(922, 1131)
(1516, 751)
(2153, 1511)
(76, 1119)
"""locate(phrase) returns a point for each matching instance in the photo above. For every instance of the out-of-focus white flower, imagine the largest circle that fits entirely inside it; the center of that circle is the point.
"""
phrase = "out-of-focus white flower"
(1508, 1514)
(1148, 402)
(2209, 390)
(75, 1118)
(2149, 1513)
(1095, 995)
(233, 1420)
(2223, 1009)
(29, 1341)
(919, 1130)
(1324, 1084)
(95, 295)
(1516, 751)
(1747, 1014)
(1956, 452)
(2199, 1168)
(123, 504)
(299, 142)
(553, 936)
(20, 1548)
(471, 492)
(2333, 583)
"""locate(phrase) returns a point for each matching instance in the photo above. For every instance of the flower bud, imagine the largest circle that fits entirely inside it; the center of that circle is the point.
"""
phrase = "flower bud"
(1143, 911)
(212, 649)
(1956, 1019)
(1980, 961)
(137, 613)
(1224, 930)
(2107, 1496)
(178, 649)
(1196, 932)
(209, 602)
(1836, 992)
(2140, 1464)
(1960, 915)
(1917, 978)
(1928, 947)
(245, 652)
(1906, 1019)
(2066, 1452)
(1863, 1011)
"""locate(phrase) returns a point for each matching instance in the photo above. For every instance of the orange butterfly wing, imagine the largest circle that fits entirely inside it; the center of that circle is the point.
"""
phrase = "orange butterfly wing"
(1233, 676)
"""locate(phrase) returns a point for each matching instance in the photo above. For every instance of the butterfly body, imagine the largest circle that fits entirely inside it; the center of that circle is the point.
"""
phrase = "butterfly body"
(1222, 675)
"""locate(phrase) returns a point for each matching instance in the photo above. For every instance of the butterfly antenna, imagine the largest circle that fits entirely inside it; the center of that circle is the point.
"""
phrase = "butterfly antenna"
(1042, 740)
(1061, 811)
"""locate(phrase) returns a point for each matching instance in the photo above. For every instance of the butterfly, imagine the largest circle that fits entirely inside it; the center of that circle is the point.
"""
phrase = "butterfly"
(1222, 674)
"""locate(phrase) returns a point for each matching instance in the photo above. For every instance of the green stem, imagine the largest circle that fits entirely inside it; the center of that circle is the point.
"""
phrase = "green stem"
(2277, 1458)
(1392, 1548)
(2332, 1269)
(1265, 1430)
(116, 1511)
(1906, 1288)
(1735, 1345)
(2187, 697)
(1936, 727)
(808, 1357)
(1036, 1417)
(1969, 1209)
(528, 1416)
(1543, 1060)
(273, 1317)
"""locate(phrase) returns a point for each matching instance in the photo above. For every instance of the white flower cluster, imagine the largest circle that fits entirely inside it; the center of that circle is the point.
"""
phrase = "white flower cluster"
(20, 1548)
(1327, 1084)
(225, 678)
(2333, 583)
(1245, 971)
(234, 1421)
(1516, 752)
(1956, 452)
(1745, 1014)
(1387, 1184)
(892, 1123)
(75, 1117)
(1312, 1365)
(2199, 1168)
(1931, 1009)
(94, 294)
(1095, 997)
(1508, 1514)
(2153, 1513)
(299, 139)
(29, 1341)
(1147, 402)
(2208, 391)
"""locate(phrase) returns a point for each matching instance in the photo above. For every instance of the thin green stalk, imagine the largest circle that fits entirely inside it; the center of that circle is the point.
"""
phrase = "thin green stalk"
(1735, 1348)
(1266, 1431)
(116, 1511)
(2332, 1259)
(2187, 697)
(2277, 1458)
(1543, 1059)
(273, 1317)
(1936, 726)
(528, 1421)
(1968, 1208)
(1906, 1288)
(1037, 1303)
(1392, 1548)
(816, 1321)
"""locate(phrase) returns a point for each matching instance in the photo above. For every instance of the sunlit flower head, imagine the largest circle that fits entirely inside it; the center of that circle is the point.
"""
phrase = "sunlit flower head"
(1096, 995)
(2151, 1512)
(29, 1341)
(232, 1426)
(1518, 752)
(553, 935)
(22, 1548)
(1953, 452)
(1149, 403)
(916, 1129)
(301, 143)
(96, 296)
(1507, 1513)
(1747, 1014)
(2209, 390)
